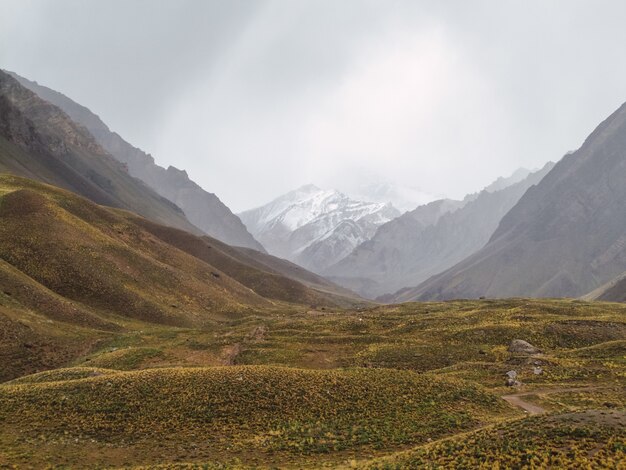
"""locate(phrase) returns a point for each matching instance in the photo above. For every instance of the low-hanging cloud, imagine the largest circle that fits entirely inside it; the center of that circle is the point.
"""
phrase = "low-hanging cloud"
(256, 98)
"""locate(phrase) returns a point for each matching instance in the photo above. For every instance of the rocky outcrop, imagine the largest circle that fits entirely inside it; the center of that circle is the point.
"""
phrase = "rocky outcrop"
(519, 346)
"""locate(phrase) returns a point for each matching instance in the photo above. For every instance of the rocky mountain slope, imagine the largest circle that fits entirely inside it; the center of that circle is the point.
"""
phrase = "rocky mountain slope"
(203, 209)
(612, 291)
(428, 240)
(314, 227)
(38, 140)
(564, 238)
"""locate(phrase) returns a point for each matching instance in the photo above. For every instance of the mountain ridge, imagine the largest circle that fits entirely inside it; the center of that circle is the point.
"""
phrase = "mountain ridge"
(203, 209)
(427, 240)
(564, 238)
(38, 140)
(312, 226)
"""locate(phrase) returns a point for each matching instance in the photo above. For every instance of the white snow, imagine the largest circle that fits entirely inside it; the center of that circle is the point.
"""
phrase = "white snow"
(311, 216)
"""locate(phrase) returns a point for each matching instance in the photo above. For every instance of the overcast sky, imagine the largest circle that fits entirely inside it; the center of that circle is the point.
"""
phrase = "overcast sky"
(255, 98)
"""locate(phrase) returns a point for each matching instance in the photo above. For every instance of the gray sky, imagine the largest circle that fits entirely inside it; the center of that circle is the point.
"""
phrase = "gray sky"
(255, 98)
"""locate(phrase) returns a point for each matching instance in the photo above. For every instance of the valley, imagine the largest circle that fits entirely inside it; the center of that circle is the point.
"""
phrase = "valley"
(444, 310)
(298, 387)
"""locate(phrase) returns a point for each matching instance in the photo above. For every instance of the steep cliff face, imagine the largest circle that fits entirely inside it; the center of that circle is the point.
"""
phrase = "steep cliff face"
(564, 238)
(40, 141)
(203, 209)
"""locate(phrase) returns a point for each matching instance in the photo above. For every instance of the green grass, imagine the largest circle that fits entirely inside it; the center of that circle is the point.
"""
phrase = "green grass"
(309, 389)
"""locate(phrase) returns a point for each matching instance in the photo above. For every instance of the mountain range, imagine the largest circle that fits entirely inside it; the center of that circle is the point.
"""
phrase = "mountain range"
(40, 142)
(552, 232)
(313, 227)
(203, 209)
(429, 239)
(564, 238)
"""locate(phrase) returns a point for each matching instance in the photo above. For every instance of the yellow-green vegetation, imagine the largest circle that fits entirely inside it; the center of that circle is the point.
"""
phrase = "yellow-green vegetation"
(74, 273)
(124, 343)
(305, 388)
(242, 410)
(587, 439)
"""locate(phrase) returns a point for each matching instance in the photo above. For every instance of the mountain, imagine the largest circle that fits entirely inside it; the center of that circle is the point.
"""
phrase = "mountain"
(203, 209)
(505, 181)
(612, 291)
(65, 257)
(38, 140)
(314, 227)
(564, 238)
(427, 240)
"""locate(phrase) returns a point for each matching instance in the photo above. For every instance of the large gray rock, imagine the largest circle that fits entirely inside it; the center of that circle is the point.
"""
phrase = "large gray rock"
(511, 379)
(519, 346)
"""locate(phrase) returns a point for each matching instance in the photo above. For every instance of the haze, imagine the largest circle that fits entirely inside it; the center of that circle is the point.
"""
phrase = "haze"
(255, 98)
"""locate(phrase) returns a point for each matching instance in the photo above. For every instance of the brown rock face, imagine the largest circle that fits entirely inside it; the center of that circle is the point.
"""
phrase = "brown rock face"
(39, 141)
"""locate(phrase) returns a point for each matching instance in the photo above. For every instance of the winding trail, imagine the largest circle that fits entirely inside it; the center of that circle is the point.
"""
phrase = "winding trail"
(517, 399)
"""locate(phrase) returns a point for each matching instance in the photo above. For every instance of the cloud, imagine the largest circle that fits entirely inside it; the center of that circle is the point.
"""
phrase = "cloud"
(254, 98)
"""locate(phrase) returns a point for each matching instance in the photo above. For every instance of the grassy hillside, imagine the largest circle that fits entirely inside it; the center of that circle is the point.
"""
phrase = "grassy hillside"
(126, 343)
(387, 387)
(219, 412)
(267, 275)
(71, 267)
(587, 439)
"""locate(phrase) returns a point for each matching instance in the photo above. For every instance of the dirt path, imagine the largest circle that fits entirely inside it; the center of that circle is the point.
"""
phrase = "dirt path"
(517, 399)
(229, 353)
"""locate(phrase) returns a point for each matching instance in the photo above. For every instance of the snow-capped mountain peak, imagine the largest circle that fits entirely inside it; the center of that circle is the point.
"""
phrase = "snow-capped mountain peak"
(310, 218)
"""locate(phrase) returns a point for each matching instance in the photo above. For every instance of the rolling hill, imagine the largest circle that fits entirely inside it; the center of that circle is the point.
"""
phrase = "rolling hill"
(67, 260)
(399, 386)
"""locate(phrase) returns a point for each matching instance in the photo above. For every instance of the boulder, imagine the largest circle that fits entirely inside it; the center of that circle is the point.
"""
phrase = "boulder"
(519, 346)
(511, 380)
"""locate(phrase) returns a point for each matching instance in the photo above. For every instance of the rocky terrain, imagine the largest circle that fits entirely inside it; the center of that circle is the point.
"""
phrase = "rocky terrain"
(40, 141)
